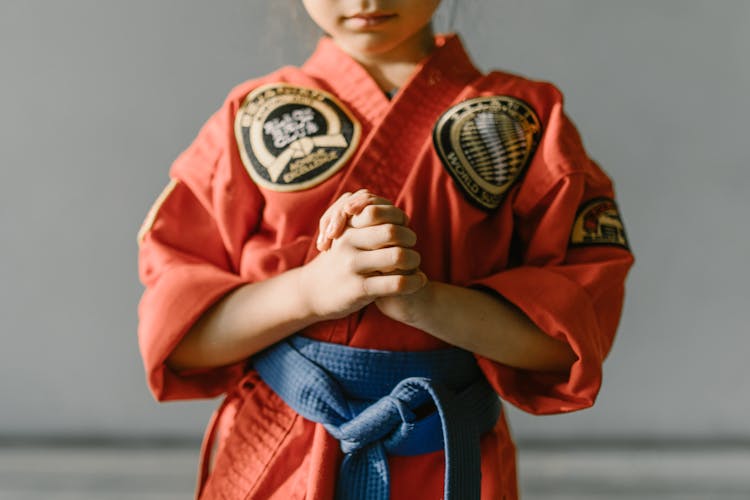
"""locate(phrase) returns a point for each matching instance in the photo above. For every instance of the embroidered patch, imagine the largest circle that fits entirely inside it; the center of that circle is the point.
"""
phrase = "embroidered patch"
(598, 223)
(486, 143)
(292, 138)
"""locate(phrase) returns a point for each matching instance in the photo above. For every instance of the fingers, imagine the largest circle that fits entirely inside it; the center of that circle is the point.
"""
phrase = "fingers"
(336, 225)
(386, 261)
(380, 236)
(361, 209)
(367, 209)
(362, 198)
(330, 228)
(383, 286)
(334, 220)
(323, 243)
(373, 215)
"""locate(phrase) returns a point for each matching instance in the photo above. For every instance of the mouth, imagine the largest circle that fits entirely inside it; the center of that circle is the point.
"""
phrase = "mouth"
(365, 20)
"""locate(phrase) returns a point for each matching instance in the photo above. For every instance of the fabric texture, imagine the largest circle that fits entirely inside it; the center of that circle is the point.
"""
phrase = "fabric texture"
(368, 399)
(217, 230)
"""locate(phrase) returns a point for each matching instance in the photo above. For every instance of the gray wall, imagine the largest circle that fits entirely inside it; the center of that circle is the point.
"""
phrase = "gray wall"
(97, 98)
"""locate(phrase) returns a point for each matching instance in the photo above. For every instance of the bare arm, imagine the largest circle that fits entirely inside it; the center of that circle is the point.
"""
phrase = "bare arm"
(362, 265)
(474, 320)
(346, 278)
(243, 322)
(481, 323)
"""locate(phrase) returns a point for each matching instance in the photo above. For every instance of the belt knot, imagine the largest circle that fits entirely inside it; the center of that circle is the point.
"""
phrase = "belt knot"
(367, 399)
(374, 423)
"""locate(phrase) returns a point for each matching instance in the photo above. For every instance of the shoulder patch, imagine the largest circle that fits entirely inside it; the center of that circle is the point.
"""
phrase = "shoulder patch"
(486, 143)
(598, 222)
(154, 211)
(292, 138)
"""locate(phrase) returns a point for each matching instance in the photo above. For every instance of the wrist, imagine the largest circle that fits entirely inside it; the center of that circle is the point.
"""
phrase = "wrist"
(423, 306)
(303, 292)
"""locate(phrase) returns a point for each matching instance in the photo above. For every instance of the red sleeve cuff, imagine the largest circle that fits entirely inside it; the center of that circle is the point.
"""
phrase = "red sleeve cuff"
(167, 310)
(562, 309)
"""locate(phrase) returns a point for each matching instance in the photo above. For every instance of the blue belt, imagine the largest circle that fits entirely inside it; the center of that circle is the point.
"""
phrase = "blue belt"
(368, 400)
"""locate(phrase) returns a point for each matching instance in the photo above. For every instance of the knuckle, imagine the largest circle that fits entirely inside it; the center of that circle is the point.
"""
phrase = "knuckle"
(363, 218)
(368, 213)
(385, 212)
(410, 237)
(351, 261)
(343, 241)
(390, 232)
(364, 288)
(372, 286)
(390, 285)
(386, 285)
(401, 283)
(415, 258)
(398, 256)
(373, 212)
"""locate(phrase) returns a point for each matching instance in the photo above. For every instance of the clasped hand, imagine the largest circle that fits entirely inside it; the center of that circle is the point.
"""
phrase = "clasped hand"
(367, 256)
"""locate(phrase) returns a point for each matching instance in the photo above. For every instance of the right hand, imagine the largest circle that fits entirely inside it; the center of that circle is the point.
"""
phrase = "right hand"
(373, 259)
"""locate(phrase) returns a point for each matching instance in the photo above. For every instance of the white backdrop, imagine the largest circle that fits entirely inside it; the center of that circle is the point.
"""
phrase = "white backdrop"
(97, 98)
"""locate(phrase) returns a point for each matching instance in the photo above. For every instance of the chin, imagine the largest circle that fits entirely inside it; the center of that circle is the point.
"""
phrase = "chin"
(369, 44)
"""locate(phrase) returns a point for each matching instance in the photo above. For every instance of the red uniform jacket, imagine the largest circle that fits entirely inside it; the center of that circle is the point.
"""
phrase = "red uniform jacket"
(244, 204)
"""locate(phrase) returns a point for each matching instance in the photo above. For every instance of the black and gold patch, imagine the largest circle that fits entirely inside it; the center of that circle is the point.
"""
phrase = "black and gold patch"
(598, 222)
(292, 138)
(486, 143)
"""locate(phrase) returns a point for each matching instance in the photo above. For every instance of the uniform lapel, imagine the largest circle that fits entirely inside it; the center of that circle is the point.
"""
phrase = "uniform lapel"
(351, 83)
(394, 132)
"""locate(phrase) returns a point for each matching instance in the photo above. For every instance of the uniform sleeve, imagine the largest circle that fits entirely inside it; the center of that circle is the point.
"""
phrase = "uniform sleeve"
(189, 249)
(573, 292)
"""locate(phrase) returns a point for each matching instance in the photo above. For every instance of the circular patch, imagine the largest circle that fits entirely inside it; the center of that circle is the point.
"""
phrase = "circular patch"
(292, 138)
(598, 223)
(486, 143)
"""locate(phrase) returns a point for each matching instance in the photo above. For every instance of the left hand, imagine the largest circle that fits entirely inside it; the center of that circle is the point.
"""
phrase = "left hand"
(364, 209)
(405, 308)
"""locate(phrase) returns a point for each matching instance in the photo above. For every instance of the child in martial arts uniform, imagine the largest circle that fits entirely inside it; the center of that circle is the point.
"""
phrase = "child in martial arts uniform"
(362, 253)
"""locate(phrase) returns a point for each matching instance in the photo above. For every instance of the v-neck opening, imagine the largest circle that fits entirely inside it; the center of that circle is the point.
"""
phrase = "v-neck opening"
(353, 84)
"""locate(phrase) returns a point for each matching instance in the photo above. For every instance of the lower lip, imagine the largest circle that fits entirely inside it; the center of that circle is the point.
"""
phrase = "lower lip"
(361, 23)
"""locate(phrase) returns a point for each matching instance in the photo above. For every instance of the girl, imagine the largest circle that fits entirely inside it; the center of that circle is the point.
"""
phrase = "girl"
(363, 252)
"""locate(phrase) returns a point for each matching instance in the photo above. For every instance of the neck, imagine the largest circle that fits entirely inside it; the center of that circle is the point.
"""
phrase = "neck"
(392, 68)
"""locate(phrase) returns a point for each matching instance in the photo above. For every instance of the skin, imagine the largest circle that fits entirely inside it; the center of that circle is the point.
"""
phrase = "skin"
(390, 47)
(363, 264)
(367, 253)
(465, 317)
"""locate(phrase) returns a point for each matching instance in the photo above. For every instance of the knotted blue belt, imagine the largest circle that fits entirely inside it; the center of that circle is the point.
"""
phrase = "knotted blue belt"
(369, 400)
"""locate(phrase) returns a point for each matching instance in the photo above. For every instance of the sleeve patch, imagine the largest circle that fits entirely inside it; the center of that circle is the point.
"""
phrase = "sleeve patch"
(598, 222)
(154, 211)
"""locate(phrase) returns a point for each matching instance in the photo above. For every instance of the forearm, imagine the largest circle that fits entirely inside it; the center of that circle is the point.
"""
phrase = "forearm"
(244, 322)
(487, 325)
(358, 268)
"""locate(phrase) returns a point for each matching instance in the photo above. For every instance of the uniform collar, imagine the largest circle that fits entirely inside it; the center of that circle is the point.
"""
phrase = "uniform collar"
(448, 64)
